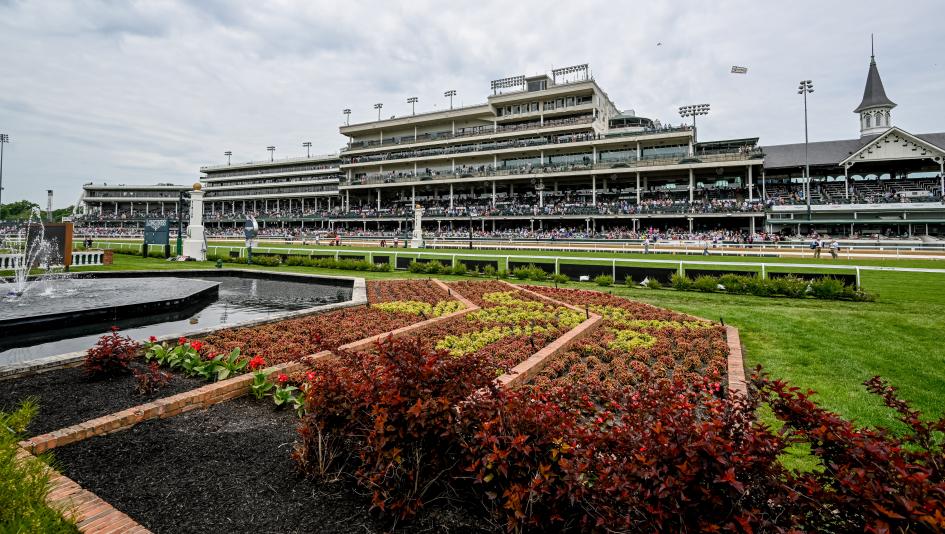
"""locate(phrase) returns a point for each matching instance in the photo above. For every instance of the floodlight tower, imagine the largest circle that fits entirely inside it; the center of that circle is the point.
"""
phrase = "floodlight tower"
(803, 88)
(694, 111)
(413, 103)
(272, 151)
(228, 154)
(308, 148)
(378, 107)
(347, 113)
(450, 94)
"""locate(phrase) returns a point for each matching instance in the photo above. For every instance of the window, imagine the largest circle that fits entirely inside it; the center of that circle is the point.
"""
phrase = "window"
(570, 101)
(868, 120)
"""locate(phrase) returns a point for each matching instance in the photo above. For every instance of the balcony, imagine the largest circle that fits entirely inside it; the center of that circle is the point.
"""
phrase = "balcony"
(487, 171)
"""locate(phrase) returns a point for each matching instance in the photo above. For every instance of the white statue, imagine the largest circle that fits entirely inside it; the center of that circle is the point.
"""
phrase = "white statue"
(195, 244)
(416, 241)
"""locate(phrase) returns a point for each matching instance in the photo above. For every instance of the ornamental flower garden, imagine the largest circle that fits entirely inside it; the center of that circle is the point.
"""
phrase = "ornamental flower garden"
(471, 406)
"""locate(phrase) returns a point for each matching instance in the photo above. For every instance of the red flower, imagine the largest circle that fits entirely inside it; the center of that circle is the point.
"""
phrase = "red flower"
(196, 345)
(310, 376)
(115, 329)
(181, 340)
(282, 378)
(152, 339)
(257, 362)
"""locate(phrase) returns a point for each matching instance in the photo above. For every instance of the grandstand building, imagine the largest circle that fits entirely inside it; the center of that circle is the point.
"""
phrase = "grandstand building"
(124, 208)
(541, 152)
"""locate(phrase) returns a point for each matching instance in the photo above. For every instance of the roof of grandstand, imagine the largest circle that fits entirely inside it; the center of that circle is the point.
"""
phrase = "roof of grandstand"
(827, 153)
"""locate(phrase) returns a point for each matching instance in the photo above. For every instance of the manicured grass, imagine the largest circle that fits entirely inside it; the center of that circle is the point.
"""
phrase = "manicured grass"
(669, 258)
(828, 346)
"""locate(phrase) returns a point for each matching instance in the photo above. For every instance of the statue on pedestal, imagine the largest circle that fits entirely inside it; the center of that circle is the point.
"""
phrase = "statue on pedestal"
(195, 245)
(416, 240)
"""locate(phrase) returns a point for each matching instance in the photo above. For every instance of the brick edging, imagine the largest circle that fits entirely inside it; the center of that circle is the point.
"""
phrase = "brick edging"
(89, 511)
(736, 363)
(201, 397)
(531, 366)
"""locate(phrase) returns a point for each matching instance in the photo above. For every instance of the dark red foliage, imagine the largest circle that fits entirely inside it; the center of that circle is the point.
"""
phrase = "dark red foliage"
(870, 479)
(150, 379)
(393, 290)
(111, 355)
(398, 405)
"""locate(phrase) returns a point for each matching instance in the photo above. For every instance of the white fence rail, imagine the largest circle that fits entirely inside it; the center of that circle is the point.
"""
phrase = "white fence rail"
(79, 258)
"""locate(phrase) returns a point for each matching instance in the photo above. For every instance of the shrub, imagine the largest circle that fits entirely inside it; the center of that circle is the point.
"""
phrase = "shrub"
(604, 280)
(489, 270)
(707, 284)
(653, 283)
(156, 254)
(296, 261)
(416, 267)
(150, 379)
(266, 261)
(827, 288)
(735, 283)
(25, 480)
(531, 272)
(520, 273)
(459, 269)
(111, 355)
(395, 406)
(681, 282)
(503, 273)
(560, 278)
(758, 286)
(789, 286)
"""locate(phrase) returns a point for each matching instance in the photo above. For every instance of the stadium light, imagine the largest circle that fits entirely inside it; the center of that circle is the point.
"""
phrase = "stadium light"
(694, 111)
(378, 107)
(347, 113)
(803, 88)
(228, 154)
(308, 148)
(4, 139)
(413, 102)
(271, 150)
(450, 93)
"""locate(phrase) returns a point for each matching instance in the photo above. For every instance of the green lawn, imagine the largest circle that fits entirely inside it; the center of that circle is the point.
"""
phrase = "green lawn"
(828, 346)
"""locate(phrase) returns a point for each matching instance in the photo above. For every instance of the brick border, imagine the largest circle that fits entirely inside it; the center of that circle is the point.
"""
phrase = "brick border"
(736, 362)
(531, 366)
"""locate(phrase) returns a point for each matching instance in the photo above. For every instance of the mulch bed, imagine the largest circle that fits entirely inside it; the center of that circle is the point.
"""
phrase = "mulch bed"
(66, 397)
(227, 469)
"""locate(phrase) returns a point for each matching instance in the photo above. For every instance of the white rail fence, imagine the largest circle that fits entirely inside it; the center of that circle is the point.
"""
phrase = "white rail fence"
(79, 258)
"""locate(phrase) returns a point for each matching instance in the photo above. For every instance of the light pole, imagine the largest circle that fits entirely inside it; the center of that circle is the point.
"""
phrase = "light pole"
(4, 139)
(347, 113)
(308, 148)
(806, 86)
(450, 94)
(272, 151)
(378, 107)
(694, 111)
(228, 153)
(413, 103)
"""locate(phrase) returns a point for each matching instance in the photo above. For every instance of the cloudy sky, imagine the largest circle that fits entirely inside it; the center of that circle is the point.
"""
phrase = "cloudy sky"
(141, 92)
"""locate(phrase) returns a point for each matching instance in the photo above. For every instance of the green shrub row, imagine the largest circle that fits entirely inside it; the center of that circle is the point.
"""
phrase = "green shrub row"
(788, 286)
(435, 267)
(346, 264)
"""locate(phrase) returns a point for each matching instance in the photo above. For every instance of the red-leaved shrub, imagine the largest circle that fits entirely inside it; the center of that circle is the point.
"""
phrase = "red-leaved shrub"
(398, 406)
(111, 355)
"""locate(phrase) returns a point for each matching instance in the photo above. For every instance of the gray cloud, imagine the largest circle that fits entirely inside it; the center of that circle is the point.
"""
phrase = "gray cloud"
(139, 92)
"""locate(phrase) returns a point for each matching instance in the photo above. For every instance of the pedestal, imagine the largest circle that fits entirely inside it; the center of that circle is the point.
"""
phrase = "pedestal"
(195, 244)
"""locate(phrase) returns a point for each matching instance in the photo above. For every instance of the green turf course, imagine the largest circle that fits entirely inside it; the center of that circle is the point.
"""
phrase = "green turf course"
(828, 346)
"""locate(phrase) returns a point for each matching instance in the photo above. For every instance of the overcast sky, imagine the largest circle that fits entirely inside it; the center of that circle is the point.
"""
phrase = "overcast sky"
(142, 92)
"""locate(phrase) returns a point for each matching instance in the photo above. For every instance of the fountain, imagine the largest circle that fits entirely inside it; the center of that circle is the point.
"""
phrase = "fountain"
(31, 250)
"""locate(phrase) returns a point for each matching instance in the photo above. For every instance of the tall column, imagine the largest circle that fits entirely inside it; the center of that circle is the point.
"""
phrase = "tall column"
(846, 182)
(639, 152)
(347, 203)
(941, 173)
(594, 190)
(764, 192)
(638, 187)
(493, 193)
(751, 188)
(378, 200)
(413, 196)
(451, 196)
(692, 185)
(594, 155)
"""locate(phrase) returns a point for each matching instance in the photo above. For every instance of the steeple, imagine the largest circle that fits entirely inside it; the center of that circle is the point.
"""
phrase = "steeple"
(874, 110)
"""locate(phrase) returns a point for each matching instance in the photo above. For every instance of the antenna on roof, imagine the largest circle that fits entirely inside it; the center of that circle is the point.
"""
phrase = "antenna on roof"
(872, 48)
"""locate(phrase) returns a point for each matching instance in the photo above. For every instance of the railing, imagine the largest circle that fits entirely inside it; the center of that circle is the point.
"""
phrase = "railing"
(79, 258)
(627, 163)
(443, 136)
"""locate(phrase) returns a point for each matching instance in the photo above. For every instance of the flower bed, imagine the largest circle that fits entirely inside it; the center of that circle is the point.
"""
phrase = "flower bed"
(638, 344)
(290, 340)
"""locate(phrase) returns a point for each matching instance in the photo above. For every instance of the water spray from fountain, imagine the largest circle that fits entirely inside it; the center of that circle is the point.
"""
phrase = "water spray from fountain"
(32, 251)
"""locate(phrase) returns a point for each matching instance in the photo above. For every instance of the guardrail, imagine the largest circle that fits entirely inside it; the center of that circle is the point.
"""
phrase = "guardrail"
(760, 268)
(83, 258)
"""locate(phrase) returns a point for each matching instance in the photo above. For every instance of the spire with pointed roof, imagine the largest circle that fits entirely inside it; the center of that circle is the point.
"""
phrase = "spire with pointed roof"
(874, 110)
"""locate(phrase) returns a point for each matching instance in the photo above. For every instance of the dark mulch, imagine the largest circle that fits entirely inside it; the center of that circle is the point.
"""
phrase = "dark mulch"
(227, 469)
(66, 397)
